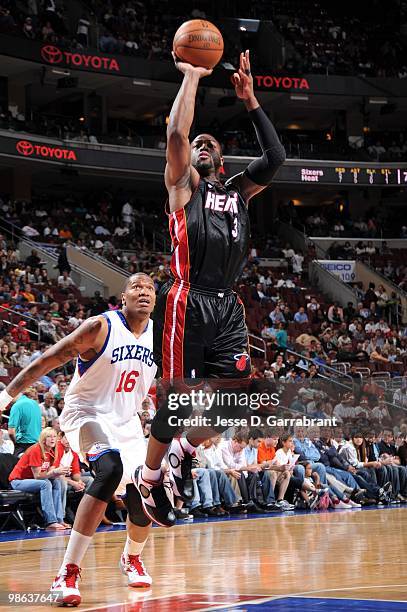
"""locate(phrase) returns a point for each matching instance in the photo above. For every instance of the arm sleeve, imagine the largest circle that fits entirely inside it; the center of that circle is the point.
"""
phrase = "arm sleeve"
(262, 169)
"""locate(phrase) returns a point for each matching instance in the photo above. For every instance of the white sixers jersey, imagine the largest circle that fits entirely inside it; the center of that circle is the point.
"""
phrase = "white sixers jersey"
(115, 382)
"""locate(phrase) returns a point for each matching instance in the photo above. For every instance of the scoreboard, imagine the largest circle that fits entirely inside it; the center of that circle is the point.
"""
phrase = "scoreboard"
(313, 173)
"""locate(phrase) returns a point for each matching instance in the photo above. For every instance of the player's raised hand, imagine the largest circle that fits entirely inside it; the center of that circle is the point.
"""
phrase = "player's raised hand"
(242, 79)
(184, 67)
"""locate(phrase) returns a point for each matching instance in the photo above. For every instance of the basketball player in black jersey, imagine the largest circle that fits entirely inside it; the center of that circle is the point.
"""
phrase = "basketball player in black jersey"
(199, 324)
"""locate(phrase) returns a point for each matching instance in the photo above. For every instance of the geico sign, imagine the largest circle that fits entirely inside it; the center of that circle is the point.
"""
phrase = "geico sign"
(339, 267)
(26, 148)
(53, 55)
(282, 82)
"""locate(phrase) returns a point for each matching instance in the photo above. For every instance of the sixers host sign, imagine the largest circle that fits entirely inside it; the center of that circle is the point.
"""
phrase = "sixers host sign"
(43, 151)
(55, 56)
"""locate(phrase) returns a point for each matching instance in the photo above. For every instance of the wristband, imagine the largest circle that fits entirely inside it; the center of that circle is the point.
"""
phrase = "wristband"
(5, 399)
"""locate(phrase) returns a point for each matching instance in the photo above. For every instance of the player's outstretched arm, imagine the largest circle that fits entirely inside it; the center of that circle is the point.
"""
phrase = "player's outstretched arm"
(180, 177)
(87, 339)
(259, 173)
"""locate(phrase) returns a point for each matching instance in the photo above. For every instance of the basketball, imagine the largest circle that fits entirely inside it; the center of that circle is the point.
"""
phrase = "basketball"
(199, 43)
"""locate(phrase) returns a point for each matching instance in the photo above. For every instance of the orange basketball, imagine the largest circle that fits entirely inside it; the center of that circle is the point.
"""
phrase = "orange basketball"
(198, 42)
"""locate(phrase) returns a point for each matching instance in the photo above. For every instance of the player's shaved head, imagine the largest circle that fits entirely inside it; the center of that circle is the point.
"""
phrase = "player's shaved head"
(134, 277)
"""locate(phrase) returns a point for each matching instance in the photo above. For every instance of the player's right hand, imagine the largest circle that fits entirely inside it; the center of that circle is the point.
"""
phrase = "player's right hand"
(184, 67)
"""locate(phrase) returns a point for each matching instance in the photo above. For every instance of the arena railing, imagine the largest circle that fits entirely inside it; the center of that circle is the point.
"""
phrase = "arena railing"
(331, 285)
(10, 312)
(49, 255)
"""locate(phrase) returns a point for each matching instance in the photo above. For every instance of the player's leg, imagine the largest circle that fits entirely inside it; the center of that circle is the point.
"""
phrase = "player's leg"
(108, 469)
(175, 343)
(138, 530)
(227, 365)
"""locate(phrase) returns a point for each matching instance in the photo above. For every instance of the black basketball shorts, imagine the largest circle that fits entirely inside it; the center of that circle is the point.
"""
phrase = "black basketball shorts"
(200, 333)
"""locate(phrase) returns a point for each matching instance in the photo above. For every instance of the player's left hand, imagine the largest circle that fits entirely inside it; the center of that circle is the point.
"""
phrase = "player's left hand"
(242, 79)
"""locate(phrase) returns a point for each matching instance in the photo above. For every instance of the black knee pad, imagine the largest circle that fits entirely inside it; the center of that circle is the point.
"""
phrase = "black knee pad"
(134, 508)
(108, 470)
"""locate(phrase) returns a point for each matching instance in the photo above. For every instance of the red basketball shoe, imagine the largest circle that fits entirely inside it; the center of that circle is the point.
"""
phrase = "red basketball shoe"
(66, 586)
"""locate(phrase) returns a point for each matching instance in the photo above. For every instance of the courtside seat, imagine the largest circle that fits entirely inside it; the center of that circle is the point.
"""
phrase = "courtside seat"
(13, 504)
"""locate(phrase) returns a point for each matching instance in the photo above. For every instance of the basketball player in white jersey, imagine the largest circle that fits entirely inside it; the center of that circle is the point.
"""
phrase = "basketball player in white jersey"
(113, 374)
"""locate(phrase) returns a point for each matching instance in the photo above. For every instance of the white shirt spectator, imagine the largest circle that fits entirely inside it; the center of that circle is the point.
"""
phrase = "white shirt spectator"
(6, 445)
(75, 321)
(232, 460)
(50, 413)
(297, 260)
(65, 283)
(283, 458)
(121, 231)
(30, 231)
(20, 359)
(128, 213)
(341, 411)
(285, 282)
(214, 458)
(101, 231)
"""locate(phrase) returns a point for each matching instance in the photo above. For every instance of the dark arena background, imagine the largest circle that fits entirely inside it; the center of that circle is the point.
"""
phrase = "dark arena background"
(86, 91)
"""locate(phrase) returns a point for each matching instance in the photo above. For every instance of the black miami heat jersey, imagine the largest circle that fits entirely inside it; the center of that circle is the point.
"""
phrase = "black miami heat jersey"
(210, 236)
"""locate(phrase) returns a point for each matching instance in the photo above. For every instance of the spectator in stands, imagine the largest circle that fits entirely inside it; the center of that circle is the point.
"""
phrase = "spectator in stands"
(48, 408)
(6, 444)
(402, 448)
(24, 425)
(35, 473)
(234, 458)
(65, 281)
(5, 359)
(355, 454)
(48, 330)
(301, 316)
(307, 452)
(20, 359)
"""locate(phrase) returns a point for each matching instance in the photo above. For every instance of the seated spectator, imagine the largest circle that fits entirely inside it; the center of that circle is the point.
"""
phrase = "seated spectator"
(35, 473)
(48, 330)
(5, 359)
(234, 458)
(301, 316)
(307, 452)
(6, 444)
(48, 408)
(65, 281)
(20, 359)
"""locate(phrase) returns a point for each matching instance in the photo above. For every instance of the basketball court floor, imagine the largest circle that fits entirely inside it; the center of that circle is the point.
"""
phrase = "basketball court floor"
(334, 560)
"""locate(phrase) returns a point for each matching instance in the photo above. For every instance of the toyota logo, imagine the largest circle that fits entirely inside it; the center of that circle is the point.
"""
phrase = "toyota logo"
(51, 55)
(24, 147)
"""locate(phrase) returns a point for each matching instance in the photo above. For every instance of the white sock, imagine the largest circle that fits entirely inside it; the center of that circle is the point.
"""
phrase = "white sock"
(187, 446)
(133, 548)
(151, 475)
(76, 549)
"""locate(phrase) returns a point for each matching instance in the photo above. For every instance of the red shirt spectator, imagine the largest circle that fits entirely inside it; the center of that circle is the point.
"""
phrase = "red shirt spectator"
(19, 334)
(31, 458)
(67, 459)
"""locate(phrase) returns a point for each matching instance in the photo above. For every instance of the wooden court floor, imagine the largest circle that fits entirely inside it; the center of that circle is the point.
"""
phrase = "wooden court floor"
(343, 554)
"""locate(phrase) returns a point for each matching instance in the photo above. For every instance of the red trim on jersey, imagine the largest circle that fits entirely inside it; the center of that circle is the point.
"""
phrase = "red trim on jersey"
(173, 333)
(179, 237)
